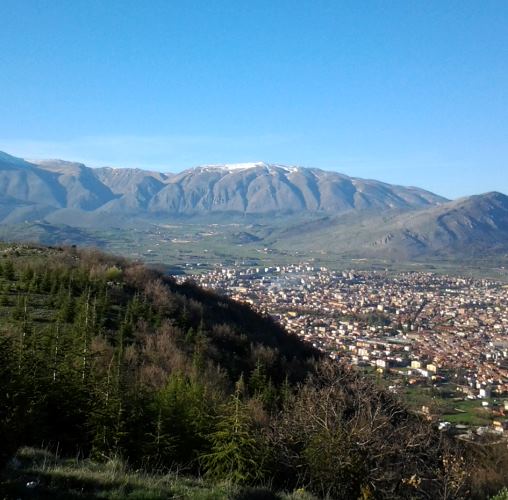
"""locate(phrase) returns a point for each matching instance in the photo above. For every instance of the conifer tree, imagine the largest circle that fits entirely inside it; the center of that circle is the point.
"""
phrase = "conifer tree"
(8, 271)
(45, 282)
(67, 306)
(238, 452)
(190, 336)
(11, 425)
(27, 275)
(199, 354)
(83, 327)
(258, 379)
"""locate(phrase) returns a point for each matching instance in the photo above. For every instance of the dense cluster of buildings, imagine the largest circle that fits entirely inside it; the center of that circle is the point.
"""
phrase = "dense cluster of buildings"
(418, 326)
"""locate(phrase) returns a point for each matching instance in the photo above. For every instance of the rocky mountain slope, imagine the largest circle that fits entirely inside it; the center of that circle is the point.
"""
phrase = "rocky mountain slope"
(265, 188)
(250, 188)
(470, 226)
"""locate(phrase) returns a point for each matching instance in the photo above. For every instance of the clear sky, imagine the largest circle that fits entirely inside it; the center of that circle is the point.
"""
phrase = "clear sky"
(412, 92)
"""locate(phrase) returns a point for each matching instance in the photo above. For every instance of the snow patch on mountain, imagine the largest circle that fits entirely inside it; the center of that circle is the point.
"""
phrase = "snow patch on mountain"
(231, 167)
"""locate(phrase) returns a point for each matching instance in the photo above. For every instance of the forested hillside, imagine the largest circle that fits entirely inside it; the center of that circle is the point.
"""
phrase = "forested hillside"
(104, 357)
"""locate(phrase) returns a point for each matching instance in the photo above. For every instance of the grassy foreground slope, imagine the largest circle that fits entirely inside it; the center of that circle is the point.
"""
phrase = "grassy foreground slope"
(105, 359)
(37, 473)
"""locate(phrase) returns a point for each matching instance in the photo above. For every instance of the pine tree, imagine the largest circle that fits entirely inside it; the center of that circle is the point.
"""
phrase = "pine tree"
(9, 272)
(238, 453)
(199, 354)
(190, 336)
(11, 425)
(67, 307)
(258, 379)
(18, 313)
(285, 392)
(84, 326)
(27, 275)
(45, 282)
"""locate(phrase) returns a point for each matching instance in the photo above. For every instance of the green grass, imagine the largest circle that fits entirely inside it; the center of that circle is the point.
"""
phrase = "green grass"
(35, 473)
(468, 412)
(466, 419)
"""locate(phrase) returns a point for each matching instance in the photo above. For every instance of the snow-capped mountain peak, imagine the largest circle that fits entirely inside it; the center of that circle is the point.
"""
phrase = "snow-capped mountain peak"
(231, 167)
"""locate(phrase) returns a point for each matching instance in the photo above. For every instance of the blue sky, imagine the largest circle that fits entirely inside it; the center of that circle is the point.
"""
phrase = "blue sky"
(410, 92)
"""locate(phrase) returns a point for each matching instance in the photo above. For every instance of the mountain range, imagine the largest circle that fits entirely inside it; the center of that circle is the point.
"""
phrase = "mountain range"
(248, 188)
(366, 218)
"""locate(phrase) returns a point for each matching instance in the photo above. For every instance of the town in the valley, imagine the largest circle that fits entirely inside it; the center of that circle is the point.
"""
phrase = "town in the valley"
(440, 340)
